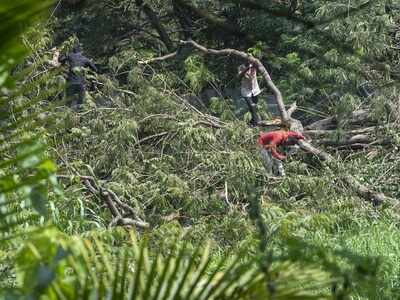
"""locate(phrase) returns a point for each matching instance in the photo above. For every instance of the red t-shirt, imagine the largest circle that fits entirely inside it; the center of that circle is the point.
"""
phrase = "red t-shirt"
(277, 138)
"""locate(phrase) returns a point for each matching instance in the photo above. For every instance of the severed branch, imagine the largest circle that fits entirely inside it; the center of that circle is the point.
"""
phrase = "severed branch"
(364, 192)
(119, 210)
(157, 59)
(292, 109)
(322, 132)
(357, 117)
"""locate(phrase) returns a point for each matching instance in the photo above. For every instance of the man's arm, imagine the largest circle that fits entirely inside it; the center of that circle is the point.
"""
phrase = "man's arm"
(90, 65)
(242, 71)
(296, 135)
(276, 154)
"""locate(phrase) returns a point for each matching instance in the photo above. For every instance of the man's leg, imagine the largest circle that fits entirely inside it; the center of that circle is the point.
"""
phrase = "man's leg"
(278, 168)
(267, 160)
(81, 94)
(69, 95)
(253, 110)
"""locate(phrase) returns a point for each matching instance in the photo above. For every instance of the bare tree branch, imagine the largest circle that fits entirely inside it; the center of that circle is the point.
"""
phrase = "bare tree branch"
(292, 109)
(156, 59)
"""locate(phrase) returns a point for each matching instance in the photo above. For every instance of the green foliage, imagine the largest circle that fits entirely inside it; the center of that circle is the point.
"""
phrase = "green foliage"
(197, 73)
(307, 236)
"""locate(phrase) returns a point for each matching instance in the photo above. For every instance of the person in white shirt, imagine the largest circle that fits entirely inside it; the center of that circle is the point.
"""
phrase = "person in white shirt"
(250, 89)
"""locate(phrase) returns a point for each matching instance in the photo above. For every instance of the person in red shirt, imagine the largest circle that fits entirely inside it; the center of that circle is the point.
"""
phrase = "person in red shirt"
(269, 141)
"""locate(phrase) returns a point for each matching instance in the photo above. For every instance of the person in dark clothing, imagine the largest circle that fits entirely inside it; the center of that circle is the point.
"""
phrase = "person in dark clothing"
(76, 78)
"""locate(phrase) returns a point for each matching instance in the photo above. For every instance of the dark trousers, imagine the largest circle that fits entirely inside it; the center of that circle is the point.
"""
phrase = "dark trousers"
(75, 93)
(252, 104)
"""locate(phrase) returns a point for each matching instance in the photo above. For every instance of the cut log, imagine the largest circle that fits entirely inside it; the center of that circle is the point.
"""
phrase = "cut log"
(357, 117)
(357, 139)
(318, 133)
(367, 194)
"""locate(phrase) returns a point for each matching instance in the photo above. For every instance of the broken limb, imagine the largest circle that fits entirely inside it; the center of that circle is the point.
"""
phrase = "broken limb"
(327, 132)
(357, 117)
(118, 209)
(374, 197)
(156, 59)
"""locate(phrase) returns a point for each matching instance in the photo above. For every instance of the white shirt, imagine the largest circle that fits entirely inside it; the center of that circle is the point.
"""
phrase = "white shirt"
(249, 85)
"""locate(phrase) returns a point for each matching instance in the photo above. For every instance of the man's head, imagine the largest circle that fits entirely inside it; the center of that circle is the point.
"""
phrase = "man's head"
(291, 141)
(293, 138)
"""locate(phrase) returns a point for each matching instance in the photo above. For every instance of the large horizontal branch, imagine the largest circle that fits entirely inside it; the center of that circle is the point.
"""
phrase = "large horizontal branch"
(364, 192)
(330, 132)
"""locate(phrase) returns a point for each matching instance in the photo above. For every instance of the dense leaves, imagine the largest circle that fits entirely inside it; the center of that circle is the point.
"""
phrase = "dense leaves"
(168, 144)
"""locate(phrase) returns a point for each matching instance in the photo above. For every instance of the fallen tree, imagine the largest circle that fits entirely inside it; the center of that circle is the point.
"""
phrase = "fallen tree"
(291, 123)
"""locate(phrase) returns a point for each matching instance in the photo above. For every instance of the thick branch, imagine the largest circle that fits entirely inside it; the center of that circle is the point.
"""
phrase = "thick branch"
(357, 117)
(318, 133)
(156, 59)
(364, 192)
(119, 221)
(324, 156)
